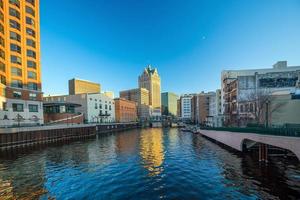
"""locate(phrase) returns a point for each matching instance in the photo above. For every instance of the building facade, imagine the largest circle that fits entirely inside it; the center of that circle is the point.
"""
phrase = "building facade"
(245, 93)
(126, 111)
(78, 86)
(169, 103)
(150, 80)
(186, 107)
(20, 70)
(96, 108)
(141, 97)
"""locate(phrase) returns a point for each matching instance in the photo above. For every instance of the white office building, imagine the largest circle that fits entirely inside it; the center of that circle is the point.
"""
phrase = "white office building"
(186, 106)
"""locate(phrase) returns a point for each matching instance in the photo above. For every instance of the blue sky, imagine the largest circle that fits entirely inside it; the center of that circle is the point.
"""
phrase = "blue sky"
(189, 41)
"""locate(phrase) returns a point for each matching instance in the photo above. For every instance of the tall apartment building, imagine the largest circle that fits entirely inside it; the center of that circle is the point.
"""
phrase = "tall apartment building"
(241, 88)
(20, 70)
(169, 103)
(150, 80)
(186, 107)
(141, 97)
(78, 86)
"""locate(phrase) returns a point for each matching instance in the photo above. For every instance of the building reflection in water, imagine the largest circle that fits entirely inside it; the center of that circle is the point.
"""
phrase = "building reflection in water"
(152, 150)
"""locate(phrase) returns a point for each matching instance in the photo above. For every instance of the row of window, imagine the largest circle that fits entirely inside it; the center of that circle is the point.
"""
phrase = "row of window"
(18, 95)
(19, 107)
(18, 60)
(100, 106)
(15, 71)
(17, 3)
(30, 64)
(19, 84)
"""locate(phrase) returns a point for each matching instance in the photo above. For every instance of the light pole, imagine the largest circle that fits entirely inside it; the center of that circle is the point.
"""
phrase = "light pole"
(267, 113)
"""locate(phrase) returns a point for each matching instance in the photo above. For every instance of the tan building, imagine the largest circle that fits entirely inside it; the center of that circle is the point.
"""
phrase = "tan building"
(109, 94)
(141, 97)
(126, 111)
(20, 67)
(151, 81)
(77, 86)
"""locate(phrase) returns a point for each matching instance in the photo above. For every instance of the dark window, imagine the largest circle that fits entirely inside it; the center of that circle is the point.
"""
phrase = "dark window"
(32, 75)
(3, 79)
(15, 2)
(15, 48)
(18, 107)
(2, 67)
(14, 13)
(14, 24)
(33, 108)
(2, 43)
(31, 2)
(15, 36)
(15, 71)
(2, 54)
(29, 21)
(30, 11)
(16, 59)
(31, 54)
(30, 32)
(32, 86)
(30, 42)
(1, 17)
(17, 94)
(1, 29)
(32, 96)
(31, 64)
(16, 83)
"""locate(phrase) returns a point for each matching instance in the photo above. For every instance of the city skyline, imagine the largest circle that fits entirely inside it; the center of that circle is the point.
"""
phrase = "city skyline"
(220, 37)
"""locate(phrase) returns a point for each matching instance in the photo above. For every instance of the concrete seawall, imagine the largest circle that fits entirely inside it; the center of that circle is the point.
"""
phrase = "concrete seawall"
(25, 136)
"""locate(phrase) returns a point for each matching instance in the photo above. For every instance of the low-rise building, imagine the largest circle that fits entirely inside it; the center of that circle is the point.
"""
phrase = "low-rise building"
(96, 108)
(78, 86)
(126, 111)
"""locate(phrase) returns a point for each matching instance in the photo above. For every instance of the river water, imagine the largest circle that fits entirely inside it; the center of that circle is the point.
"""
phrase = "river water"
(144, 164)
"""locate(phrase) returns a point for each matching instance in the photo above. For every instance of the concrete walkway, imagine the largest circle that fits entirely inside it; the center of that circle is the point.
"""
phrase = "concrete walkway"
(236, 140)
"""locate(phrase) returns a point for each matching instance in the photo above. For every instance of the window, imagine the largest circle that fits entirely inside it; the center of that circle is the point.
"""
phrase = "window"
(1, 4)
(31, 54)
(1, 17)
(30, 32)
(2, 67)
(15, 48)
(32, 75)
(1, 29)
(30, 11)
(16, 71)
(242, 108)
(16, 59)
(2, 43)
(17, 94)
(33, 108)
(30, 43)
(14, 24)
(31, 64)
(29, 21)
(15, 2)
(15, 36)
(3, 79)
(4, 106)
(105, 106)
(31, 2)
(32, 96)
(2, 54)
(32, 86)
(109, 107)
(16, 83)
(18, 107)
(14, 13)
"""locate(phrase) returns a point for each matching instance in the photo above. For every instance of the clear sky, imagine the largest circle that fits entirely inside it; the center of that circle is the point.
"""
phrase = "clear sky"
(189, 41)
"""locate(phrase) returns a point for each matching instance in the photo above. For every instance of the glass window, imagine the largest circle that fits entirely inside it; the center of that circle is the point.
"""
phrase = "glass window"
(31, 53)
(15, 36)
(2, 43)
(15, 48)
(2, 54)
(30, 42)
(1, 29)
(2, 67)
(32, 75)
(15, 2)
(31, 2)
(32, 86)
(30, 32)
(30, 11)
(33, 108)
(15, 71)
(14, 24)
(31, 64)
(17, 94)
(18, 107)
(29, 21)
(32, 96)
(16, 83)
(16, 59)
(3, 79)
(14, 13)
(1, 16)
